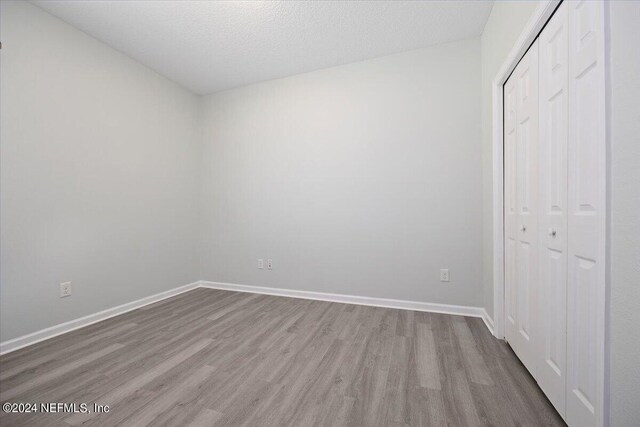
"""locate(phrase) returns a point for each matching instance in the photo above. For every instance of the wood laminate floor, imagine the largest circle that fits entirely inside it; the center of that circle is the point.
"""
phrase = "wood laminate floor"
(210, 357)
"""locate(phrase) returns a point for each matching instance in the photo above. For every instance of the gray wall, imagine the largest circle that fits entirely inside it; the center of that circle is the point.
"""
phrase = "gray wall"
(625, 212)
(503, 28)
(362, 179)
(98, 175)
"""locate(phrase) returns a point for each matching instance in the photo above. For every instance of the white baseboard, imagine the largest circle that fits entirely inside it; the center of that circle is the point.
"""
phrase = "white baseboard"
(62, 328)
(45, 334)
(460, 310)
(488, 321)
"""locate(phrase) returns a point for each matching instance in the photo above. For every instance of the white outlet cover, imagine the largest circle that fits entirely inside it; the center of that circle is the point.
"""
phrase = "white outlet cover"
(269, 264)
(65, 289)
(444, 275)
(260, 263)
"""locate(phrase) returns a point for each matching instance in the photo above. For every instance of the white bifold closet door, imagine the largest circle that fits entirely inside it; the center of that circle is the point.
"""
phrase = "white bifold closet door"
(521, 207)
(586, 209)
(552, 289)
(555, 211)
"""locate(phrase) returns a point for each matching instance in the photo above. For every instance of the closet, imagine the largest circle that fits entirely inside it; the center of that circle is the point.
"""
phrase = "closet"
(554, 211)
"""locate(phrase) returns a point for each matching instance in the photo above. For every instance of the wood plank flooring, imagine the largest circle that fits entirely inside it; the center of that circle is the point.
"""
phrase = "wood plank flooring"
(219, 358)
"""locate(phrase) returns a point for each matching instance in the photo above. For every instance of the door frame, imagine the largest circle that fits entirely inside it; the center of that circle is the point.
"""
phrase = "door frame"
(538, 20)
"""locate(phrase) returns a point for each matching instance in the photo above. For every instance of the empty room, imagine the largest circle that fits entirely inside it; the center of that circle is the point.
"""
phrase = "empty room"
(320, 213)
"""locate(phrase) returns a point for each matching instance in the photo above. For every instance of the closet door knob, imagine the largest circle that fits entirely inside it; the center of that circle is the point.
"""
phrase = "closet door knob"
(523, 228)
(552, 232)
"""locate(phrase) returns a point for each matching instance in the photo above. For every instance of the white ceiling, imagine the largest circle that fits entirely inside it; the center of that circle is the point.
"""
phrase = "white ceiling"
(208, 46)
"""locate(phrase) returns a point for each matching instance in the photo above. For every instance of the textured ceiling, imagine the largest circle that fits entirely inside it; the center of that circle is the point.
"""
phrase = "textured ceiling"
(208, 46)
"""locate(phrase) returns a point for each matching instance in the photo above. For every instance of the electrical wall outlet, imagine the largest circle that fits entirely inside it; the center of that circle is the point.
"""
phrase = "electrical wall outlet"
(270, 264)
(261, 263)
(444, 275)
(65, 289)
